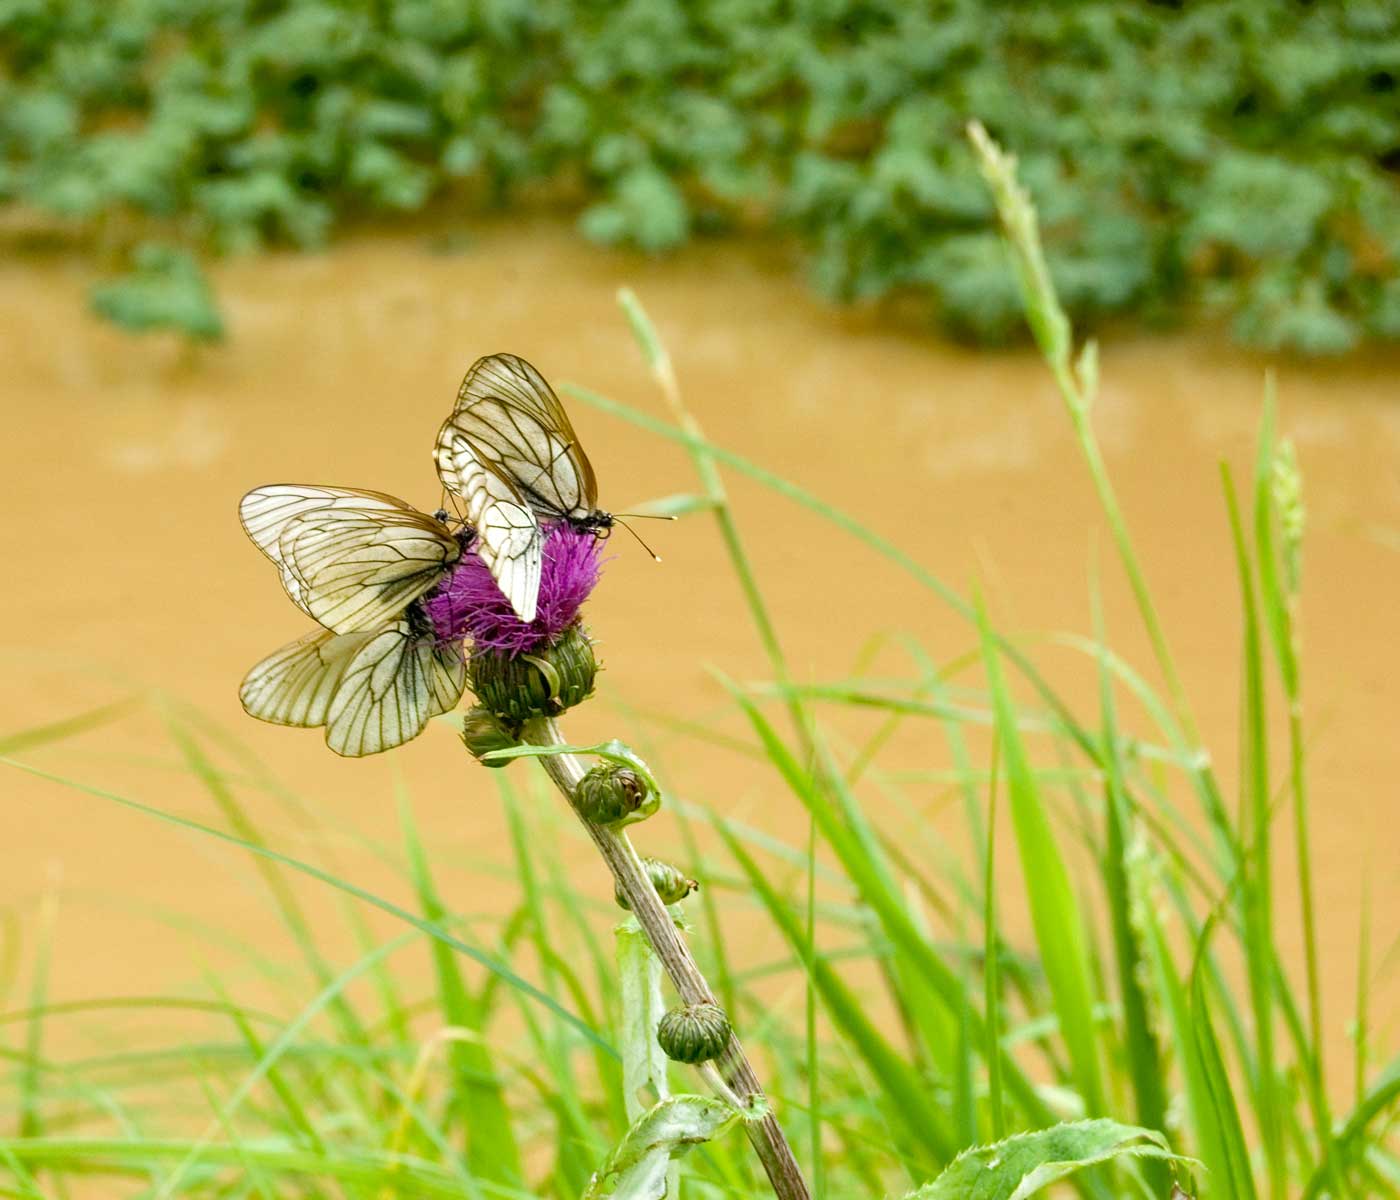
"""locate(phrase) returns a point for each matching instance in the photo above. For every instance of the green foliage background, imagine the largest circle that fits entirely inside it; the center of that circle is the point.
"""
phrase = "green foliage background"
(1235, 155)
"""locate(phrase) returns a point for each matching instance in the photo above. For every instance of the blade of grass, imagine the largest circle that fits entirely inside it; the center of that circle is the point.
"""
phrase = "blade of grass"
(1231, 1171)
(1055, 915)
(1145, 1068)
(809, 957)
(1256, 882)
(991, 953)
(476, 1101)
(897, 925)
(929, 1142)
(1277, 484)
(287, 905)
(286, 1094)
(658, 360)
(31, 1123)
(268, 1060)
(54, 731)
(431, 929)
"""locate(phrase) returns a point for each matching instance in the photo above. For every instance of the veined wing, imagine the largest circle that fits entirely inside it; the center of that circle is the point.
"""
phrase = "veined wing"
(508, 536)
(519, 429)
(295, 685)
(392, 685)
(372, 690)
(359, 570)
(350, 559)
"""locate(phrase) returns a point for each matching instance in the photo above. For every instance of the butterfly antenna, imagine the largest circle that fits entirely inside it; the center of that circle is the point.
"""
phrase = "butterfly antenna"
(655, 556)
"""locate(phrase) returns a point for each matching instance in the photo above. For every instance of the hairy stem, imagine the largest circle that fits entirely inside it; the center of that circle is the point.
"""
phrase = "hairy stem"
(626, 867)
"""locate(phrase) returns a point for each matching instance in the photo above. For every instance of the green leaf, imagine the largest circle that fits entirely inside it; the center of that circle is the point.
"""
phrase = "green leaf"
(639, 985)
(1025, 1164)
(1055, 915)
(477, 1099)
(636, 1170)
(611, 750)
(1231, 1173)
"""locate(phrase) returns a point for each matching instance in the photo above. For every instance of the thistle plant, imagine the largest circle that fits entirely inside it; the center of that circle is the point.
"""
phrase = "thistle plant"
(526, 675)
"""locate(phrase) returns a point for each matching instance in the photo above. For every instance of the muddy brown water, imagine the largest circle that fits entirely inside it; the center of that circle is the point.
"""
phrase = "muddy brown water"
(126, 571)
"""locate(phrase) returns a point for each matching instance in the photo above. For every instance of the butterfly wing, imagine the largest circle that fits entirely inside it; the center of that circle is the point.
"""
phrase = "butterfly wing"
(394, 682)
(372, 690)
(349, 559)
(518, 428)
(508, 535)
(295, 685)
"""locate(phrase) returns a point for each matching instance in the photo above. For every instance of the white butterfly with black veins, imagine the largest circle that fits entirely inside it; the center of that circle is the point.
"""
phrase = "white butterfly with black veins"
(510, 453)
(354, 561)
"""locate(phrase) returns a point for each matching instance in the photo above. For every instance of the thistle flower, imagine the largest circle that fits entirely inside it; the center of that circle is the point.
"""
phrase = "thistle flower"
(469, 604)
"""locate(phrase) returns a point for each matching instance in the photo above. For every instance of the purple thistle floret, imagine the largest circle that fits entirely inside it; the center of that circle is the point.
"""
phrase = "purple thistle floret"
(468, 604)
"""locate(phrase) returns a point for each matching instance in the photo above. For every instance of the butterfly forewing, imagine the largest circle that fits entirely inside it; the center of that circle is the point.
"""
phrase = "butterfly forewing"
(358, 571)
(520, 430)
(350, 559)
(508, 536)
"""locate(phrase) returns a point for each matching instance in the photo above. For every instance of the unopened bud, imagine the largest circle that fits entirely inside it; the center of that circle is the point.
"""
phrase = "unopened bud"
(609, 793)
(483, 732)
(694, 1033)
(670, 883)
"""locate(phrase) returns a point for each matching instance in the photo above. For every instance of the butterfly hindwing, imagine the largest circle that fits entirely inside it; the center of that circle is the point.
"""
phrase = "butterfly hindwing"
(508, 536)
(392, 685)
(295, 685)
(372, 690)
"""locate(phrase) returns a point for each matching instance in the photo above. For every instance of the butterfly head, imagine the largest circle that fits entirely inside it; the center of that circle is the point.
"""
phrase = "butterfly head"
(598, 523)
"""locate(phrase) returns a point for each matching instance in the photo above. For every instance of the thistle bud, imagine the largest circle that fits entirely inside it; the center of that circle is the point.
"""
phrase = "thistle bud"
(540, 684)
(670, 883)
(610, 793)
(694, 1033)
(482, 732)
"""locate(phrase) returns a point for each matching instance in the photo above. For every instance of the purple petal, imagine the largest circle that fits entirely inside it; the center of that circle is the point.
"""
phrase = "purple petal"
(469, 604)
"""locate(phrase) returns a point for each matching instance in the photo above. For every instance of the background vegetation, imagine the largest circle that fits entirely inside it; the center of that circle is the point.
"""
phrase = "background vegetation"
(902, 1022)
(1234, 156)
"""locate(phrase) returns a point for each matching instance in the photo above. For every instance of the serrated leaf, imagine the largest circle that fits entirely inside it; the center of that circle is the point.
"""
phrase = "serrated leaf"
(1027, 1163)
(636, 1170)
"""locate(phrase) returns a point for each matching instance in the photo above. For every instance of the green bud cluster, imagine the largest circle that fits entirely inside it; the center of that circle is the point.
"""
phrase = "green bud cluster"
(610, 793)
(542, 684)
(482, 732)
(670, 883)
(694, 1033)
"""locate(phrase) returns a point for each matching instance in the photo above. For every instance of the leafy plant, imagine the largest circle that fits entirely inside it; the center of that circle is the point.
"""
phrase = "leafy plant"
(1113, 1048)
(165, 289)
(1235, 156)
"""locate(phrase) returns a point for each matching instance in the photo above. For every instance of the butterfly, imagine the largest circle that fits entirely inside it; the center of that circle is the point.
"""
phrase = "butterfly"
(510, 453)
(355, 562)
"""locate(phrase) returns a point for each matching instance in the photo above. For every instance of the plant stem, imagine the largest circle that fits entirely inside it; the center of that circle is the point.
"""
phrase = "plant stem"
(630, 876)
